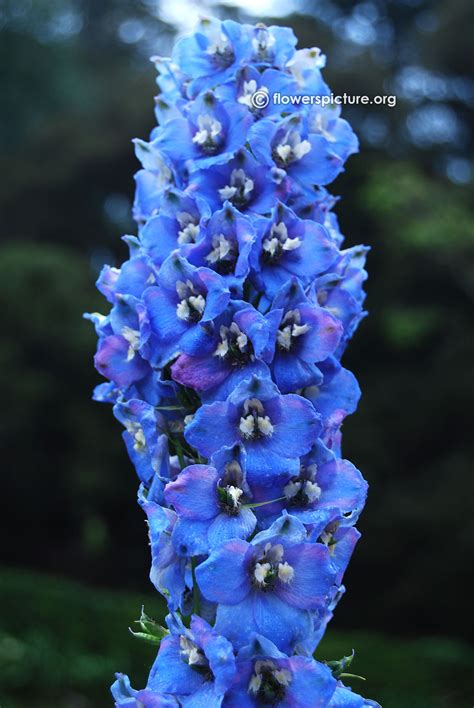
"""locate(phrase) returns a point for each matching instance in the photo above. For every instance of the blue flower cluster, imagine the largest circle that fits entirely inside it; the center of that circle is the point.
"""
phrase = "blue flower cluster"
(222, 349)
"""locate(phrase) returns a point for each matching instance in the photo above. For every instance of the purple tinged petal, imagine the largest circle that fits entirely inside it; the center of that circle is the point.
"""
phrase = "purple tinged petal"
(193, 494)
(200, 372)
(113, 361)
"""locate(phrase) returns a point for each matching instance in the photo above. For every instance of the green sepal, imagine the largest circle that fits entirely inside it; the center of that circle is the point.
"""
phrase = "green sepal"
(340, 666)
(153, 633)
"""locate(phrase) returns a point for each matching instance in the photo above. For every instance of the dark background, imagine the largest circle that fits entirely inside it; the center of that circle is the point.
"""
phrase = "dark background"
(76, 88)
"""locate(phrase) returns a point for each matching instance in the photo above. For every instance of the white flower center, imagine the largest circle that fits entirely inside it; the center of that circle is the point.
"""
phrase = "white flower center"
(278, 241)
(191, 653)
(248, 90)
(189, 230)
(133, 338)
(304, 489)
(239, 189)
(285, 572)
(136, 431)
(254, 423)
(209, 131)
(233, 341)
(268, 675)
(292, 148)
(221, 248)
(271, 566)
(291, 329)
(192, 304)
(234, 493)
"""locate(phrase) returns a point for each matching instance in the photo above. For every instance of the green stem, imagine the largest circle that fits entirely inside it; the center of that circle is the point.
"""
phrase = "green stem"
(256, 302)
(170, 408)
(179, 451)
(254, 506)
(196, 593)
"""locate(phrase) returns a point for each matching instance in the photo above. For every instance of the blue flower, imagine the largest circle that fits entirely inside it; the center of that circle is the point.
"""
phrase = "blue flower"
(268, 585)
(213, 54)
(209, 133)
(341, 291)
(209, 507)
(177, 225)
(288, 246)
(168, 569)
(127, 697)
(271, 428)
(193, 662)
(225, 246)
(267, 676)
(236, 347)
(243, 182)
(222, 351)
(306, 336)
(337, 394)
(249, 80)
(311, 149)
(271, 46)
(184, 299)
(147, 448)
(324, 490)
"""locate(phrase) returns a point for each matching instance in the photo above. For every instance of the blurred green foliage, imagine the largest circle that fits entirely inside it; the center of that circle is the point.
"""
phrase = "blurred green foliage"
(62, 644)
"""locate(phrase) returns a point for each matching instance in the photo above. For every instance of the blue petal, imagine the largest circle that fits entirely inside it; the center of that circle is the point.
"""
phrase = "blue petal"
(193, 494)
(314, 576)
(283, 624)
(190, 537)
(213, 426)
(223, 577)
(344, 697)
(218, 651)
(312, 684)
(169, 673)
(225, 527)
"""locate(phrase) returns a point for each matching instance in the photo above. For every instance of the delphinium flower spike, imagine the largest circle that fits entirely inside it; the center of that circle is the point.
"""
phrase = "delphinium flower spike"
(222, 350)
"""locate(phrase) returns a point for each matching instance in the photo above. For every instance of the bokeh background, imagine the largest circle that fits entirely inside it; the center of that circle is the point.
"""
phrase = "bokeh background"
(76, 87)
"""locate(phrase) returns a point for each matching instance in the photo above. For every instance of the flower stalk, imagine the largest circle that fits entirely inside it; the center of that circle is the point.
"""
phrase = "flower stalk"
(222, 350)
